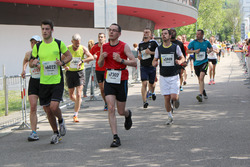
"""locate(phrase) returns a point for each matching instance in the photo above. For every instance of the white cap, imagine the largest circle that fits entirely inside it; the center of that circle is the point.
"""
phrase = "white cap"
(36, 37)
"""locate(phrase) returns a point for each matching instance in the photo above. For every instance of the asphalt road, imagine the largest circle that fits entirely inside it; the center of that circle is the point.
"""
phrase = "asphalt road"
(214, 133)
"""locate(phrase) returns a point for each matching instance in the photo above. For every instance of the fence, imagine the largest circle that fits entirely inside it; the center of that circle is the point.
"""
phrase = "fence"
(13, 97)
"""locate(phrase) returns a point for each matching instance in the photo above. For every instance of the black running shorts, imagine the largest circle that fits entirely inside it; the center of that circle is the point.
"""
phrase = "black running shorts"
(33, 86)
(48, 93)
(75, 78)
(119, 90)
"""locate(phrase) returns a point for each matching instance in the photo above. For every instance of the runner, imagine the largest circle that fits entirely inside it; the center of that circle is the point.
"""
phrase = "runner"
(170, 56)
(185, 43)
(117, 56)
(199, 48)
(51, 78)
(181, 67)
(95, 51)
(148, 72)
(212, 60)
(75, 73)
(33, 90)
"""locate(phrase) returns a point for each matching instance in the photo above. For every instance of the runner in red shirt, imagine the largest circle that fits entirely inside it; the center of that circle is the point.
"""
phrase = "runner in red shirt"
(117, 56)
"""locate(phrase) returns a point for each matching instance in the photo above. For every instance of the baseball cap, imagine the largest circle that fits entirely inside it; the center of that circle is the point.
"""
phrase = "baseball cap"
(36, 37)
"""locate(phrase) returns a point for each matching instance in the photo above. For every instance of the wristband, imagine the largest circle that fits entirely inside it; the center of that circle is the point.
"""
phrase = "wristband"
(122, 61)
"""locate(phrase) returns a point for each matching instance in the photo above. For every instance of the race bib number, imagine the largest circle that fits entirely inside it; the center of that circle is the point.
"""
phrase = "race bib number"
(201, 56)
(167, 60)
(74, 62)
(50, 68)
(113, 76)
(35, 72)
(145, 56)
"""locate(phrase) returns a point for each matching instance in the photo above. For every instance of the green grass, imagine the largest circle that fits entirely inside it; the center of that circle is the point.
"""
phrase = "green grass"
(14, 102)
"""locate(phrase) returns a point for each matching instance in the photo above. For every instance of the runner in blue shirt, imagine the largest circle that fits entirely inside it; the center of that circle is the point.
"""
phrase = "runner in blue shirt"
(200, 48)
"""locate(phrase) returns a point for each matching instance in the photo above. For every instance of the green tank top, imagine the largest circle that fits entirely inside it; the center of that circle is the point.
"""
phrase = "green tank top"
(48, 52)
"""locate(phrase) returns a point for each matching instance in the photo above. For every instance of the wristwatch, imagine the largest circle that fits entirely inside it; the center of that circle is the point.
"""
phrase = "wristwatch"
(63, 63)
(122, 61)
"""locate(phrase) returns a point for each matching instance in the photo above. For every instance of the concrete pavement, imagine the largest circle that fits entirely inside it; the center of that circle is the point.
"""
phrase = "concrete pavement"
(214, 133)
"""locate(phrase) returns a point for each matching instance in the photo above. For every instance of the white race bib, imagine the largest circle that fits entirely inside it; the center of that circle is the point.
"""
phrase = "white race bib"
(74, 62)
(50, 68)
(167, 60)
(201, 56)
(35, 72)
(145, 56)
(113, 76)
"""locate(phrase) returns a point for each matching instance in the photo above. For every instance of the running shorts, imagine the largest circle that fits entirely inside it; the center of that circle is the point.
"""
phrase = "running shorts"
(148, 74)
(33, 86)
(201, 68)
(170, 85)
(75, 78)
(119, 90)
(100, 76)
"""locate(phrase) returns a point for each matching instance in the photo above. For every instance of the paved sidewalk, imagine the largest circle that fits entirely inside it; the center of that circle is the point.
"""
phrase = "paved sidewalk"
(214, 133)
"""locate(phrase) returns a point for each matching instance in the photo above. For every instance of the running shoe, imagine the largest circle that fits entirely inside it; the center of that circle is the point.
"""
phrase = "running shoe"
(181, 89)
(62, 128)
(210, 82)
(116, 142)
(149, 95)
(128, 121)
(105, 107)
(185, 83)
(176, 103)
(170, 120)
(153, 96)
(75, 119)
(213, 82)
(145, 105)
(205, 94)
(199, 97)
(33, 137)
(56, 138)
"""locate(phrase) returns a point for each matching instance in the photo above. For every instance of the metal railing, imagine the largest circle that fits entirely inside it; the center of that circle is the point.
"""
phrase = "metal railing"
(16, 86)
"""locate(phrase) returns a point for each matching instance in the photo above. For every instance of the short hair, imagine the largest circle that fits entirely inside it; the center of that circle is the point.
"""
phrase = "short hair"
(48, 22)
(101, 33)
(148, 29)
(169, 32)
(119, 27)
(202, 32)
(76, 37)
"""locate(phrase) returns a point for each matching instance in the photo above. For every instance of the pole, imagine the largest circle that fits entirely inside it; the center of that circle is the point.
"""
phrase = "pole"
(105, 18)
(5, 92)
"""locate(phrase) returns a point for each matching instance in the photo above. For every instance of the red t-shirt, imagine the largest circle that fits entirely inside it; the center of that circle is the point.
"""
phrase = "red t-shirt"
(186, 46)
(110, 63)
(96, 50)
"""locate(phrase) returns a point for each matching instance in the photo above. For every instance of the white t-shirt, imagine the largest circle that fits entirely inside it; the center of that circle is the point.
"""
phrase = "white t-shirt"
(213, 55)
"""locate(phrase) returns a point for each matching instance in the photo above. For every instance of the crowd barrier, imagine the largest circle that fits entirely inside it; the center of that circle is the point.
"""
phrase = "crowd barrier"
(14, 89)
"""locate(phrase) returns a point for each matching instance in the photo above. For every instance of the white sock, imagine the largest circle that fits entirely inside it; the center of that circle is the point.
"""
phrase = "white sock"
(76, 114)
(170, 114)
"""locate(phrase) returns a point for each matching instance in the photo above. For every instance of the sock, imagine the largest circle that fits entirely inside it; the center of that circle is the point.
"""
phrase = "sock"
(169, 114)
(60, 121)
(115, 136)
(33, 131)
(76, 114)
(56, 132)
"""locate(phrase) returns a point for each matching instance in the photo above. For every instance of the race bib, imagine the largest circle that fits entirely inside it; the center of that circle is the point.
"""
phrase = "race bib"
(35, 72)
(113, 76)
(50, 68)
(74, 62)
(167, 60)
(145, 56)
(201, 56)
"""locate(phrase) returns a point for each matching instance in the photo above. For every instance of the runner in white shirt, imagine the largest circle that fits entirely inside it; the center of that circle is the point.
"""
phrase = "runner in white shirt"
(212, 60)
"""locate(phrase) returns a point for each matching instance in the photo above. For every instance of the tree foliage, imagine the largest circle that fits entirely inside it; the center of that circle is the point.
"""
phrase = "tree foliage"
(220, 18)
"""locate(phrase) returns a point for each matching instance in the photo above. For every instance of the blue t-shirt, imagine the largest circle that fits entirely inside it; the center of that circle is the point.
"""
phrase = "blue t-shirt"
(201, 57)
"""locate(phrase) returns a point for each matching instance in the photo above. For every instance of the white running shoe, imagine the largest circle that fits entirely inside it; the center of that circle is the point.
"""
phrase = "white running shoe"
(170, 120)
(62, 128)
(56, 138)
